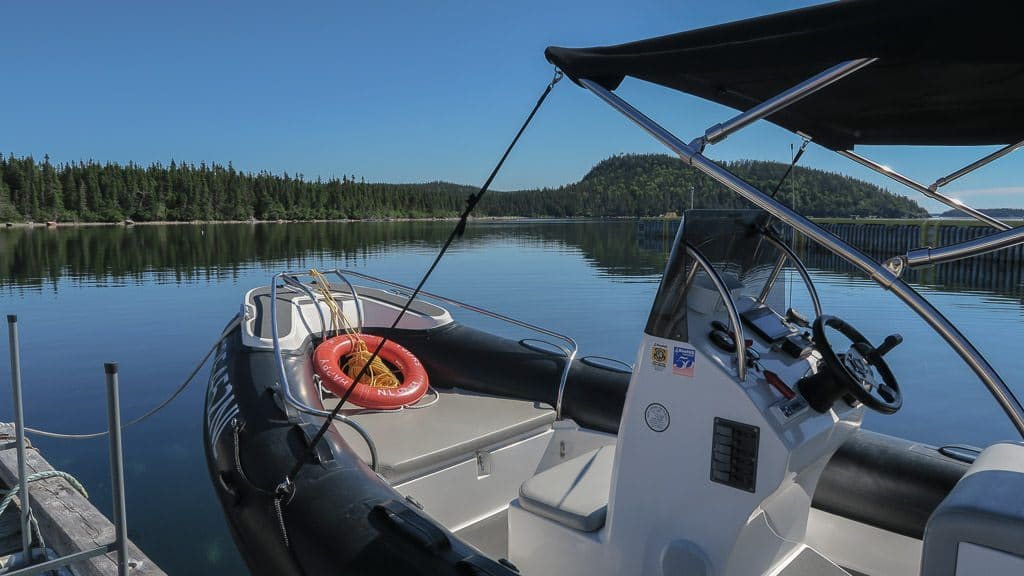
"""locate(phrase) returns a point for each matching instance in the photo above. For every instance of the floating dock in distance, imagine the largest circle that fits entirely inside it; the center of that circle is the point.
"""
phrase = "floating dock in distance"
(68, 521)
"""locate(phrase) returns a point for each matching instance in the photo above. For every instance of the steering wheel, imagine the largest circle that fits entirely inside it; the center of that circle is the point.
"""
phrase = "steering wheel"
(853, 368)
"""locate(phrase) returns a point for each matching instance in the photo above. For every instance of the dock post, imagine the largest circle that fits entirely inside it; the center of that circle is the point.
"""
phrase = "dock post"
(19, 433)
(117, 467)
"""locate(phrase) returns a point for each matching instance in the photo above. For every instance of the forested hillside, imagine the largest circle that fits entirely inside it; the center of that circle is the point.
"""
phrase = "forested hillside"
(652, 184)
(629, 186)
(993, 212)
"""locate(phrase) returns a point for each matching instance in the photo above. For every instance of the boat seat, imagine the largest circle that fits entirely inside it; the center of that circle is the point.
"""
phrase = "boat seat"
(977, 527)
(573, 493)
(414, 442)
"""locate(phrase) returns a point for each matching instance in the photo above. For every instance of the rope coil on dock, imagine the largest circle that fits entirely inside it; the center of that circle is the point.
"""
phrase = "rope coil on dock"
(10, 494)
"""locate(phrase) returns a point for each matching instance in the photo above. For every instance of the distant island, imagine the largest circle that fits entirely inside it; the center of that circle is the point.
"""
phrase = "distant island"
(621, 186)
(993, 212)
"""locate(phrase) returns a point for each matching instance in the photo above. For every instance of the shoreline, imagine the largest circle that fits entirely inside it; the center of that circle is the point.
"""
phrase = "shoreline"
(130, 224)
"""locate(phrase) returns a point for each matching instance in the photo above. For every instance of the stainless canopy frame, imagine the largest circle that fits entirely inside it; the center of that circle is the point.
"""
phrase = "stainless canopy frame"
(992, 242)
(692, 155)
(975, 165)
(928, 256)
(719, 132)
(929, 191)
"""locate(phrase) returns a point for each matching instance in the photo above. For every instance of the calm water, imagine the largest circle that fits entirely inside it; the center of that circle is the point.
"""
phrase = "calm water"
(155, 298)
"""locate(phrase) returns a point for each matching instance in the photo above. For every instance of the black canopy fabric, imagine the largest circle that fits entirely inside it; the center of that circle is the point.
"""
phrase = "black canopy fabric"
(949, 72)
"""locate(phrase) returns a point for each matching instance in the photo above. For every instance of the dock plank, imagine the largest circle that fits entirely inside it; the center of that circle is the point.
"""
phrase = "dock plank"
(69, 522)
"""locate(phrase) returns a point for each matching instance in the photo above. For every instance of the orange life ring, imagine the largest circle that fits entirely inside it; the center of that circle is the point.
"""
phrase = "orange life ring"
(327, 364)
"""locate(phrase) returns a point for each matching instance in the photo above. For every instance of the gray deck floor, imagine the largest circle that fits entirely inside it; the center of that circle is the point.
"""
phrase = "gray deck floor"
(489, 535)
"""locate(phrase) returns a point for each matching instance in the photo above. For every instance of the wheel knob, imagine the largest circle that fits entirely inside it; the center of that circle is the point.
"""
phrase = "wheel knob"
(890, 342)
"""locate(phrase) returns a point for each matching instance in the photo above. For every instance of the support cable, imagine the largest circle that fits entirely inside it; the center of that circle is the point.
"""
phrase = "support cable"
(285, 488)
(792, 164)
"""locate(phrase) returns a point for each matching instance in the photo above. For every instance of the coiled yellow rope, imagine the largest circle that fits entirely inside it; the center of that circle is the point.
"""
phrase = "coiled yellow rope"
(379, 375)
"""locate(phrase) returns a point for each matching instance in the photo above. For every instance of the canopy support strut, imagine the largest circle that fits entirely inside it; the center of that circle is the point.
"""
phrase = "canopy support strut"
(972, 167)
(929, 256)
(693, 157)
(932, 192)
(719, 132)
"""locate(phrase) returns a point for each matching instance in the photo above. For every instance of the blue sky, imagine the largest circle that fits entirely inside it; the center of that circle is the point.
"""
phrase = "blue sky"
(386, 90)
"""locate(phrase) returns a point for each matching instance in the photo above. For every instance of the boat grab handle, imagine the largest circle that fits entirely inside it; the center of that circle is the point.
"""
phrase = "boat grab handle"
(606, 363)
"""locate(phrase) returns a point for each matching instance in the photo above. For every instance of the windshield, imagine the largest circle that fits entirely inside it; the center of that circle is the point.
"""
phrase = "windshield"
(733, 242)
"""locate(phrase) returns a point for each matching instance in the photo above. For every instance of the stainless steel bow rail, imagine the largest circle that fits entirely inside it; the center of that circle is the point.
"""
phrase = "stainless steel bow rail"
(294, 281)
(568, 351)
(120, 543)
(887, 276)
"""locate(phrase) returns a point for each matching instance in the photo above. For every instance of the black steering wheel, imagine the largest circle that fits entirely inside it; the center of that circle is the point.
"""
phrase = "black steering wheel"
(857, 370)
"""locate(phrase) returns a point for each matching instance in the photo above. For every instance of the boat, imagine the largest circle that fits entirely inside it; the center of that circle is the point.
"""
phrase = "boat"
(732, 444)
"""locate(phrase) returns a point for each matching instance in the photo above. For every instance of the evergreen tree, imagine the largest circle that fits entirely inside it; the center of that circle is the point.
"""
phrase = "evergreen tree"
(621, 186)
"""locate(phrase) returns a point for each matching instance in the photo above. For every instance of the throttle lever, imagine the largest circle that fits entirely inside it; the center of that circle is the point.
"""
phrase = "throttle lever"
(797, 318)
(891, 341)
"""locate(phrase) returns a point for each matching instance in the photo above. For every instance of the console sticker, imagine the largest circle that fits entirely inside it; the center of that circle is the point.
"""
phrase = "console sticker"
(659, 356)
(657, 417)
(683, 360)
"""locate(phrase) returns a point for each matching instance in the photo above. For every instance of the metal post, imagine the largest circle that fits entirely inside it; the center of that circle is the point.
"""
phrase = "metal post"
(117, 467)
(19, 434)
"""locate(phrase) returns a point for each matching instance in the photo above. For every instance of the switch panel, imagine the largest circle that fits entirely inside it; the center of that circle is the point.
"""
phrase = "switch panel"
(734, 454)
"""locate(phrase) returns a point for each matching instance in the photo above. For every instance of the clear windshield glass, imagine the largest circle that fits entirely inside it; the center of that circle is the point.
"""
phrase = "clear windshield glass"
(733, 241)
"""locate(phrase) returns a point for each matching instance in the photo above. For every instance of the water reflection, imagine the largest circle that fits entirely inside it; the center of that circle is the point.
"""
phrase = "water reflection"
(996, 275)
(973, 275)
(120, 297)
(38, 257)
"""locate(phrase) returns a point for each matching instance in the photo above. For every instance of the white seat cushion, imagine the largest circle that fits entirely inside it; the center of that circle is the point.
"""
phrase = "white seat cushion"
(573, 493)
(985, 509)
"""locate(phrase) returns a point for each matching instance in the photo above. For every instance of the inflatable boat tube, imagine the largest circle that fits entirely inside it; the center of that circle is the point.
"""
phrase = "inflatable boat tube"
(340, 517)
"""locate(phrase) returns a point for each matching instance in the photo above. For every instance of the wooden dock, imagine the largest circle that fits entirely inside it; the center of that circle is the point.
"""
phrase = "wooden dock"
(68, 521)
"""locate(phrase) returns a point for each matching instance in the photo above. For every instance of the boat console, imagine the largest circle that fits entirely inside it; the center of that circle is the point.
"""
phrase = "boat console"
(734, 409)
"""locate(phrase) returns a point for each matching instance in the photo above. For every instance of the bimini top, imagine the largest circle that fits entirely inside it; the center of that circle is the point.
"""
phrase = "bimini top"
(949, 72)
